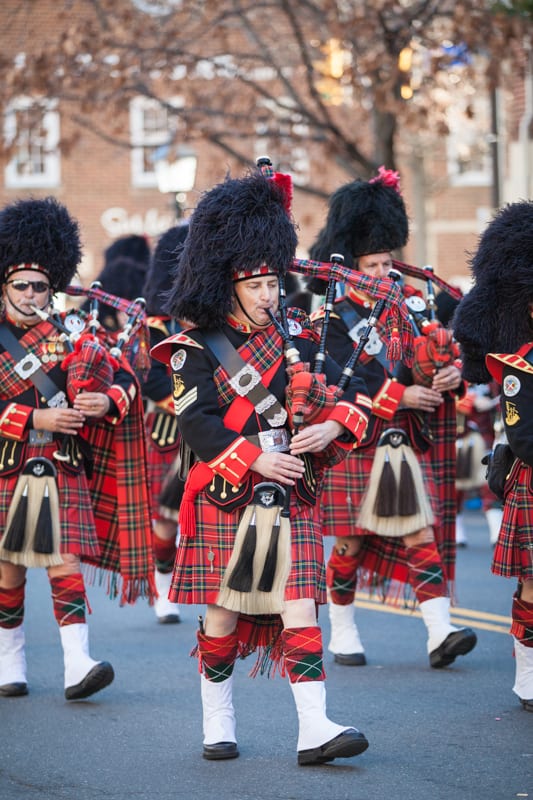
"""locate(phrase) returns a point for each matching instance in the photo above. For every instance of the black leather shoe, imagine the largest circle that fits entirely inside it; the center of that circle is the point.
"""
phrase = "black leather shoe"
(349, 743)
(458, 643)
(220, 750)
(13, 689)
(100, 676)
(350, 659)
(527, 704)
(169, 619)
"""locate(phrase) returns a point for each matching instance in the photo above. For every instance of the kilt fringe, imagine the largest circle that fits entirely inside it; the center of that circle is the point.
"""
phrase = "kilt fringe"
(128, 590)
(396, 502)
(32, 534)
(260, 635)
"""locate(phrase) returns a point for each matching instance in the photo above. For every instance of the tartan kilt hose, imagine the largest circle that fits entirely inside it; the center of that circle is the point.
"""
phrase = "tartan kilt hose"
(76, 519)
(202, 559)
(513, 554)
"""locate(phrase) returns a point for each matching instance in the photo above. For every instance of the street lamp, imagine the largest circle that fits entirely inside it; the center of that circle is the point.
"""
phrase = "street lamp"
(177, 176)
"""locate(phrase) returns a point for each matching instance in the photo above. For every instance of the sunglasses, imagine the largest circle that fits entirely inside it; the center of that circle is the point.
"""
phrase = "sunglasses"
(37, 286)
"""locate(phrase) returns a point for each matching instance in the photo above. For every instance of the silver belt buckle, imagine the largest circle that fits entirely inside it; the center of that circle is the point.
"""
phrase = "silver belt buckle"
(276, 440)
(27, 366)
(40, 437)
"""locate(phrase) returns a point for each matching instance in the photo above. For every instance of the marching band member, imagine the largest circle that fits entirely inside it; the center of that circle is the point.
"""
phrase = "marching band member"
(46, 511)
(384, 504)
(250, 547)
(494, 324)
(162, 435)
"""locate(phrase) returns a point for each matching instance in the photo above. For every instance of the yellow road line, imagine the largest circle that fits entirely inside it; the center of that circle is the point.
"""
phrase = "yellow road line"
(484, 620)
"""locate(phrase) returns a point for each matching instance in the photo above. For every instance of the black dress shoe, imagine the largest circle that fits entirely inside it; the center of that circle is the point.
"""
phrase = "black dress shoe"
(347, 744)
(527, 704)
(220, 750)
(100, 676)
(13, 689)
(350, 659)
(169, 619)
(458, 643)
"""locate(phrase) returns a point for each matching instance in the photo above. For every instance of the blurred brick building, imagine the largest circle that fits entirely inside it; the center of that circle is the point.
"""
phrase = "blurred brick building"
(450, 186)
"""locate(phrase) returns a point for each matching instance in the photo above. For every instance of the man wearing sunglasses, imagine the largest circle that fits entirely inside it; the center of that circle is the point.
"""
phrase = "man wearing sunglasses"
(46, 511)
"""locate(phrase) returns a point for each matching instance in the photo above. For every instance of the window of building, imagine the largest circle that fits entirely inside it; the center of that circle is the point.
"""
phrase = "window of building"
(286, 149)
(468, 150)
(152, 129)
(31, 133)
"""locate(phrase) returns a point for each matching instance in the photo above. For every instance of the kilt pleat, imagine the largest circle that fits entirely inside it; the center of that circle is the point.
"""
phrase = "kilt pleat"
(201, 560)
(513, 554)
(383, 565)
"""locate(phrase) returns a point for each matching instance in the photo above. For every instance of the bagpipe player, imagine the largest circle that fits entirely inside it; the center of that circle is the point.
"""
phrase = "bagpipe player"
(250, 546)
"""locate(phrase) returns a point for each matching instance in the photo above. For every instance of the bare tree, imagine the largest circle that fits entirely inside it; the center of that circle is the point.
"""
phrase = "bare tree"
(347, 77)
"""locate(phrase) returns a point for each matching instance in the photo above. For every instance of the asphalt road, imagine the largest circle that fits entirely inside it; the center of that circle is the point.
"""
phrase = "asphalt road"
(453, 734)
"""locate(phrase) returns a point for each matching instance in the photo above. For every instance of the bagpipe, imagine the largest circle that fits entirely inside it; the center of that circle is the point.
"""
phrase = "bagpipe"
(93, 356)
(434, 345)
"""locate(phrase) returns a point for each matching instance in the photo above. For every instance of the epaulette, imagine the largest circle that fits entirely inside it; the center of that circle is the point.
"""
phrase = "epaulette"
(495, 362)
(158, 324)
(163, 351)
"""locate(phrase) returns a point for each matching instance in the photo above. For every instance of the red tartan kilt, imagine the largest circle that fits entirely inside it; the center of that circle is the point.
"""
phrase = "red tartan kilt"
(512, 555)
(78, 534)
(158, 465)
(344, 488)
(193, 582)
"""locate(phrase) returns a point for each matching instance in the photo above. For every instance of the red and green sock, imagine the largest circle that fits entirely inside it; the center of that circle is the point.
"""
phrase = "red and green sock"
(303, 654)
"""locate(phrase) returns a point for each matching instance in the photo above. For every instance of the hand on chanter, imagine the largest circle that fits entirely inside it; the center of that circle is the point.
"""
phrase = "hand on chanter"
(68, 421)
(280, 467)
(315, 438)
(421, 398)
(92, 404)
(447, 379)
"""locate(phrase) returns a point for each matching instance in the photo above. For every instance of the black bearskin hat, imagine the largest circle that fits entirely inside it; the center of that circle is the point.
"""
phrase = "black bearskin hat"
(41, 235)
(160, 274)
(494, 316)
(364, 217)
(135, 247)
(240, 225)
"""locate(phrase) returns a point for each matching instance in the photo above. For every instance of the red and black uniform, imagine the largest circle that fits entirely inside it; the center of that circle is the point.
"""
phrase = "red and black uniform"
(162, 434)
(87, 505)
(222, 428)
(513, 555)
(432, 438)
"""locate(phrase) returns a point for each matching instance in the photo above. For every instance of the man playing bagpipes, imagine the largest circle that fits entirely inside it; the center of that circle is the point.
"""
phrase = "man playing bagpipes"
(46, 510)
(164, 462)
(391, 503)
(494, 327)
(250, 547)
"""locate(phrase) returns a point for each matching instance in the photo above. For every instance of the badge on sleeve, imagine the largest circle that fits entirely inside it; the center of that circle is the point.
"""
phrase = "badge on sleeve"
(178, 359)
(511, 385)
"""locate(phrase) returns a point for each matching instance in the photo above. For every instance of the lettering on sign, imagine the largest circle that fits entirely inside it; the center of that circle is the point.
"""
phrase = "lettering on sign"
(117, 222)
